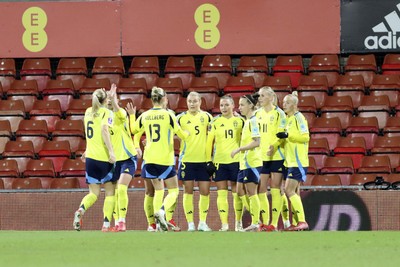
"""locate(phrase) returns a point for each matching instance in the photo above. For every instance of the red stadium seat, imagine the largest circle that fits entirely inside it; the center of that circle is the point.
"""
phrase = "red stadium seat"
(319, 151)
(8, 73)
(364, 127)
(39, 168)
(81, 148)
(146, 105)
(9, 168)
(389, 146)
(392, 127)
(314, 86)
(111, 68)
(61, 90)
(326, 180)
(5, 133)
(13, 111)
(308, 107)
(340, 107)
(253, 66)
(56, 151)
(69, 130)
(20, 151)
(74, 69)
(170, 85)
(22, 183)
(24, 90)
(362, 178)
(375, 164)
(73, 168)
(65, 183)
(238, 86)
(352, 86)
(49, 110)
(375, 106)
(312, 166)
(391, 64)
(33, 130)
(137, 182)
(145, 67)
(364, 65)
(217, 66)
(77, 107)
(133, 88)
(291, 66)
(181, 67)
(353, 147)
(38, 69)
(325, 65)
(90, 85)
(280, 84)
(388, 85)
(343, 166)
(330, 128)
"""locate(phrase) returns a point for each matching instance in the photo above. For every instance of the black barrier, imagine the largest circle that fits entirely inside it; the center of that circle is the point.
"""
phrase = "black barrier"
(369, 26)
(343, 211)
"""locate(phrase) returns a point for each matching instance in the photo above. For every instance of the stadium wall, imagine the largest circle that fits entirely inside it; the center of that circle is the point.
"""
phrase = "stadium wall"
(325, 210)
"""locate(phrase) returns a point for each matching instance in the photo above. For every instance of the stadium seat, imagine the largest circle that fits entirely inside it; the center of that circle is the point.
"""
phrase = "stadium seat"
(326, 180)
(375, 106)
(81, 148)
(5, 133)
(375, 164)
(393, 178)
(392, 127)
(170, 85)
(90, 85)
(238, 86)
(73, 168)
(132, 88)
(22, 183)
(24, 90)
(330, 128)
(352, 86)
(56, 151)
(217, 66)
(69, 130)
(49, 110)
(181, 67)
(123, 103)
(391, 64)
(388, 85)
(343, 166)
(136, 182)
(291, 66)
(77, 107)
(20, 151)
(389, 146)
(1, 184)
(146, 105)
(316, 86)
(325, 65)
(8, 73)
(312, 166)
(61, 90)
(280, 84)
(319, 150)
(74, 69)
(33, 130)
(145, 67)
(364, 65)
(65, 183)
(39, 168)
(362, 178)
(309, 179)
(12, 111)
(108, 67)
(9, 168)
(308, 107)
(353, 147)
(367, 127)
(253, 66)
(340, 107)
(38, 69)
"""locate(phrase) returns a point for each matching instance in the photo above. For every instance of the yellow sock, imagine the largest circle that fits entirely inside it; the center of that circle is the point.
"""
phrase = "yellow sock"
(245, 202)
(122, 200)
(148, 209)
(298, 209)
(254, 209)
(88, 201)
(116, 210)
(276, 206)
(238, 207)
(158, 199)
(264, 207)
(188, 207)
(223, 206)
(285, 208)
(170, 201)
(204, 204)
(170, 212)
(295, 219)
(108, 208)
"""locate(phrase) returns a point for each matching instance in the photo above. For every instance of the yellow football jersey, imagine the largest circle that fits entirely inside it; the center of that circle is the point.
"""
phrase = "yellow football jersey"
(121, 136)
(271, 123)
(225, 133)
(296, 145)
(250, 158)
(193, 149)
(95, 146)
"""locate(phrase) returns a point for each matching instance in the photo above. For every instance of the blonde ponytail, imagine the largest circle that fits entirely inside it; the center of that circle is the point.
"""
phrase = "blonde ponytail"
(98, 98)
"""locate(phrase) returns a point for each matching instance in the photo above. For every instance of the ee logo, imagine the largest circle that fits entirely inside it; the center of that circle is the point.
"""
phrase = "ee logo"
(207, 35)
(34, 21)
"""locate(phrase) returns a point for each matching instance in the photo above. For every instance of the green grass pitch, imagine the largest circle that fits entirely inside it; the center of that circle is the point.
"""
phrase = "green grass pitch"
(138, 248)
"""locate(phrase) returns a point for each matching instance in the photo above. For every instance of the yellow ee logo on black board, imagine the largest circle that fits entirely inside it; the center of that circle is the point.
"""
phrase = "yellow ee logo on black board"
(207, 34)
(34, 21)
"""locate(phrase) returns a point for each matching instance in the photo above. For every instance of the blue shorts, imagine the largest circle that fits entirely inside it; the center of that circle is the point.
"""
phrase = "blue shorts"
(127, 166)
(251, 175)
(153, 171)
(99, 172)
(226, 172)
(193, 172)
(272, 166)
(296, 173)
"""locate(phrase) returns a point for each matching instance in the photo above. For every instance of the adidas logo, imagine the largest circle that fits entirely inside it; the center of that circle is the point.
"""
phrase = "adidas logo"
(390, 26)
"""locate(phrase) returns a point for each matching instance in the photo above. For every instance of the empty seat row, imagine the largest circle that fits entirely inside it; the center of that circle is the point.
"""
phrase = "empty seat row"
(41, 183)
(356, 179)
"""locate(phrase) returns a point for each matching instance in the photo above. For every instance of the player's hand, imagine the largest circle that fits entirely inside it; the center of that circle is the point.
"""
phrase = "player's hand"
(144, 142)
(139, 153)
(111, 158)
(282, 135)
(113, 91)
(130, 109)
(270, 151)
(234, 152)
(210, 168)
